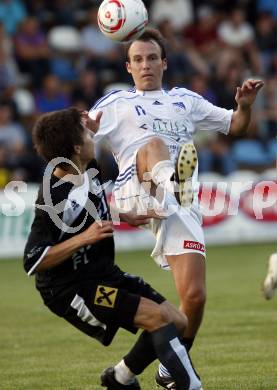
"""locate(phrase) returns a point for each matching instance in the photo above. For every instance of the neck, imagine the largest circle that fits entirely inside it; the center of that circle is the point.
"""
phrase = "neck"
(71, 174)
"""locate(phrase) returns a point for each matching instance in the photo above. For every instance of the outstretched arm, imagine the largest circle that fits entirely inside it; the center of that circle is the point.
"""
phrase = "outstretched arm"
(58, 253)
(245, 97)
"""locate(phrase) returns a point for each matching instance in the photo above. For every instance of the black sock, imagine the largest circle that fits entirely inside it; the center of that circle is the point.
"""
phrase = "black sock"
(188, 342)
(141, 355)
(171, 354)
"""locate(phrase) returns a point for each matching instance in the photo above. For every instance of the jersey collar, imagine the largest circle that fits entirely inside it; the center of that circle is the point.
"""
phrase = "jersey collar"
(156, 93)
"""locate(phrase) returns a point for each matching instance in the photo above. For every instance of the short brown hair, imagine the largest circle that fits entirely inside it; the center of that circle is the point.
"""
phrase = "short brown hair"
(150, 34)
(56, 133)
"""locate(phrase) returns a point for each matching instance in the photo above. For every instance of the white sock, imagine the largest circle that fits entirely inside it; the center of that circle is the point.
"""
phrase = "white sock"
(161, 174)
(123, 374)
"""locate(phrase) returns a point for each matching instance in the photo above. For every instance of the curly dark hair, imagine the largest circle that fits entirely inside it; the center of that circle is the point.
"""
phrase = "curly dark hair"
(149, 34)
(56, 133)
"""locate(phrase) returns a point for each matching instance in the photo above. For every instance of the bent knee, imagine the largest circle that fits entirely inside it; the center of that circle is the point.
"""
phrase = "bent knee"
(155, 143)
(195, 296)
(160, 317)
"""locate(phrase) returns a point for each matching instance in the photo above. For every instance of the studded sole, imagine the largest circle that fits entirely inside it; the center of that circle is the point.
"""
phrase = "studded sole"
(185, 166)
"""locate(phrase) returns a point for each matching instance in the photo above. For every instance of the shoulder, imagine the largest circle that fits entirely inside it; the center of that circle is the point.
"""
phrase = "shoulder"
(114, 96)
(183, 92)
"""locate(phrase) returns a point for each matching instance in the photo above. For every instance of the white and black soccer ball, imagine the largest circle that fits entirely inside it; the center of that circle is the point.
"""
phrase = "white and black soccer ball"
(122, 20)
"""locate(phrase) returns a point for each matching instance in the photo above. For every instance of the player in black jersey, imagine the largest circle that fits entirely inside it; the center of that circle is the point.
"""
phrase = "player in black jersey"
(70, 250)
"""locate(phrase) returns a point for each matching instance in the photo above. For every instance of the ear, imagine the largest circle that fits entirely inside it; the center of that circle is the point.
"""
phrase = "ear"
(164, 64)
(128, 67)
(77, 149)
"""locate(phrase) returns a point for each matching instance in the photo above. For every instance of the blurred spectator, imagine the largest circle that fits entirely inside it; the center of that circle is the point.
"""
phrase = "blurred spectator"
(238, 35)
(52, 96)
(12, 12)
(101, 53)
(269, 6)
(9, 75)
(215, 154)
(14, 139)
(201, 38)
(86, 91)
(12, 133)
(200, 84)
(65, 44)
(178, 12)
(266, 110)
(226, 86)
(266, 39)
(5, 172)
(180, 66)
(32, 51)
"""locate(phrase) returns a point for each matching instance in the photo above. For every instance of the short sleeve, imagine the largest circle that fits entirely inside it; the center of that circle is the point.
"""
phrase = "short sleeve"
(39, 242)
(208, 117)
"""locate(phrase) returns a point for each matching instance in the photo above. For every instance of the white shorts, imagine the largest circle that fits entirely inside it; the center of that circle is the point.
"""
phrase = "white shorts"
(180, 232)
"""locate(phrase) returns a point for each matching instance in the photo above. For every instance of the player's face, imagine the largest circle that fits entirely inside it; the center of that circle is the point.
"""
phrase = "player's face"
(87, 149)
(146, 65)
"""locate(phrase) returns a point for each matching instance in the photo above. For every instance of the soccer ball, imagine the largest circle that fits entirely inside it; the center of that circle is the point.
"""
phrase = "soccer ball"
(122, 20)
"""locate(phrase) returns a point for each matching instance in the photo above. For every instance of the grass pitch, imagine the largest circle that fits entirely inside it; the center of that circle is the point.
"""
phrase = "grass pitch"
(235, 348)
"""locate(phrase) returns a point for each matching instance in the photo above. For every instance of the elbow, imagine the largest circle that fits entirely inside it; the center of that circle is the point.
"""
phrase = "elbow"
(239, 131)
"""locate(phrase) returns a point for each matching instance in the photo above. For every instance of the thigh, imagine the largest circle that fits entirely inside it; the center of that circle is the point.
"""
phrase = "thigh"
(99, 309)
(189, 272)
(137, 285)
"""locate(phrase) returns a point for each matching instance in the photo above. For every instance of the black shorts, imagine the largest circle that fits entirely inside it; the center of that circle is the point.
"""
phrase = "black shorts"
(99, 309)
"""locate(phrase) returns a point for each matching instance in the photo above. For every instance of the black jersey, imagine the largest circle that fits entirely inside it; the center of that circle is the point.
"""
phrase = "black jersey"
(64, 210)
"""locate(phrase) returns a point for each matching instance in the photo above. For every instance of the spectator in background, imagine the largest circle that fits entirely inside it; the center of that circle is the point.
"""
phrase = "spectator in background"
(201, 38)
(101, 53)
(5, 172)
(178, 12)
(268, 6)
(12, 13)
(8, 69)
(215, 154)
(200, 84)
(32, 51)
(52, 96)
(180, 66)
(13, 139)
(63, 65)
(266, 111)
(225, 86)
(266, 40)
(86, 90)
(237, 37)
(12, 133)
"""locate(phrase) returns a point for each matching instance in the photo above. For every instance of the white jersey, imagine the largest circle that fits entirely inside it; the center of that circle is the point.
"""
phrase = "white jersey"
(131, 118)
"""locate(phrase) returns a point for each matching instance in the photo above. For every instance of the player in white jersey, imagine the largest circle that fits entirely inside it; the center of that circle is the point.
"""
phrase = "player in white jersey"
(145, 128)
